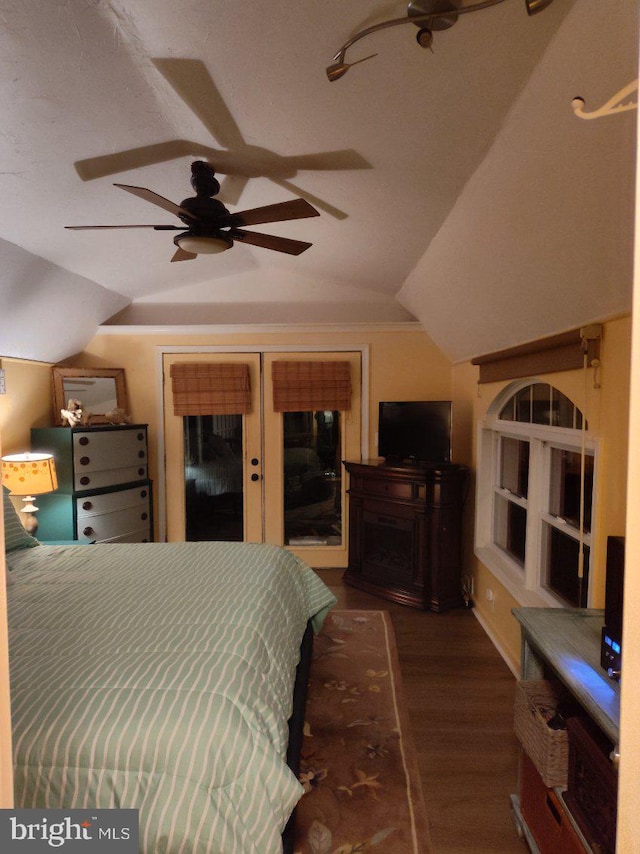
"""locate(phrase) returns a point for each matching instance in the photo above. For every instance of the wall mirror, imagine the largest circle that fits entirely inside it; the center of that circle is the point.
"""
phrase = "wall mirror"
(99, 390)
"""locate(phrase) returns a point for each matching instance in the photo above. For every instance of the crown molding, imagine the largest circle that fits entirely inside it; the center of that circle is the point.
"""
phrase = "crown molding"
(260, 328)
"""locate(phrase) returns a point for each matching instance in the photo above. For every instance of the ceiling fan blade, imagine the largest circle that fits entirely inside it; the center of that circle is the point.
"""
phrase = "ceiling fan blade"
(270, 241)
(293, 209)
(183, 255)
(156, 227)
(155, 199)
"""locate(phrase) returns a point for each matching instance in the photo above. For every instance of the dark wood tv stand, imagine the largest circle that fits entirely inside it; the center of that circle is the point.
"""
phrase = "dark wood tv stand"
(405, 532)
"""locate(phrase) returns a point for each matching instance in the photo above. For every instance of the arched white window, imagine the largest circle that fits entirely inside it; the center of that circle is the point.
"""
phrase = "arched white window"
(535, 501)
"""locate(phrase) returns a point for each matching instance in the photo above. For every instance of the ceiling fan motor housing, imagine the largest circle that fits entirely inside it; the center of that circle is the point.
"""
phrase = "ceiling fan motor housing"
(204, 208)
(203, 178)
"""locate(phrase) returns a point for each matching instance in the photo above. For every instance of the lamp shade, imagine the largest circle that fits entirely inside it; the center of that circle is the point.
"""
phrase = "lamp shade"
(29, 474)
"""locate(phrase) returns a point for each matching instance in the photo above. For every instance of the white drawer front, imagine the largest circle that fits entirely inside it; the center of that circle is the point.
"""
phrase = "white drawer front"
(107, 526)
(139, 536)
(108, 477)
(100, 450)
(107, 502)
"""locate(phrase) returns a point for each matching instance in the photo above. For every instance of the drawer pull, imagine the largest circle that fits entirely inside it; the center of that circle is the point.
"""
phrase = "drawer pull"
(140, 437)
(143, 493)
(144, 516)
(83, 440)
(87, 532)
(84, 461)
(85, 481)
(141, 472)
(87, 505)
(141, 455)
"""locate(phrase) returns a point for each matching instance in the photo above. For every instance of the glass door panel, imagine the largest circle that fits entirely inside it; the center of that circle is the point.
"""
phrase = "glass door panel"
(305, 506)
(213, 465)
(213, 477)
(312, 468)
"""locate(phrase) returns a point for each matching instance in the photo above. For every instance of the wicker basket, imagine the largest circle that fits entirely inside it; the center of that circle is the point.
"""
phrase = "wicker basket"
(548, 748)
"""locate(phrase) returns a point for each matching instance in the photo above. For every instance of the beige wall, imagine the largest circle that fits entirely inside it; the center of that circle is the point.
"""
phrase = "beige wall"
(26, 404)
(607, 411)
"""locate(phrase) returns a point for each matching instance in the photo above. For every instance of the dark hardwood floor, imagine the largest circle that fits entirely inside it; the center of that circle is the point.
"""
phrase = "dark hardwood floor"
(460, 695)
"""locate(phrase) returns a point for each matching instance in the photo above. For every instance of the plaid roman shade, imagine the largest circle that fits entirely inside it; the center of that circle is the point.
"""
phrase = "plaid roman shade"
(202, 388)
(304, 386)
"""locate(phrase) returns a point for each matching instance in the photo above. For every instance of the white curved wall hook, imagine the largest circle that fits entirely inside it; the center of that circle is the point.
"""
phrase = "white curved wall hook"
(614, 105)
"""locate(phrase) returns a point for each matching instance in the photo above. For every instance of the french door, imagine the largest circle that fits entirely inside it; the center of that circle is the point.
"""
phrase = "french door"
(262, 476)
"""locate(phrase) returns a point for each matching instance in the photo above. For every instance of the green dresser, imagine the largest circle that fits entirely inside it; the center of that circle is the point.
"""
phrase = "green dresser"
(104, 492)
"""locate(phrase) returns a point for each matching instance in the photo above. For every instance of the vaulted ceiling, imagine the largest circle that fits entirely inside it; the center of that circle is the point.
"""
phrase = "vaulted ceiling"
(455, 186)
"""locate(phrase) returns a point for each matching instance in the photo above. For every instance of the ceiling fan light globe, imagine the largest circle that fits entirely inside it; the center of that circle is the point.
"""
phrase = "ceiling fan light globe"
(204, 245)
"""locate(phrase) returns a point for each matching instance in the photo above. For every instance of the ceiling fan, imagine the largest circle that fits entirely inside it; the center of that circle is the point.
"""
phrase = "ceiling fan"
(210, 227)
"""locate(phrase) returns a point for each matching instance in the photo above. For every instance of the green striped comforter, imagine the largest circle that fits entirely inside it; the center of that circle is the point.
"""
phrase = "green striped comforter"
(159, 676)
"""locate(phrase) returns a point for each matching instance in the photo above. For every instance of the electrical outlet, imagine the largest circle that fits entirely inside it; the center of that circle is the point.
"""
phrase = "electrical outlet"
(3, 382)
(491, 597)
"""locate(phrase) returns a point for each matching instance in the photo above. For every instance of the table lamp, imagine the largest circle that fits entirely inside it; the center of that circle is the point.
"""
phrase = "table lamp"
(29, 475)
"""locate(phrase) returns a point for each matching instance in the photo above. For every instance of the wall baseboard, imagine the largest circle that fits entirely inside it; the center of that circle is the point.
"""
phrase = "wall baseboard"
(512, 665)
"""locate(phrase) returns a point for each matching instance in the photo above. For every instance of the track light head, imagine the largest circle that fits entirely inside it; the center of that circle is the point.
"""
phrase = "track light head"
(535, 6)
(340, 67)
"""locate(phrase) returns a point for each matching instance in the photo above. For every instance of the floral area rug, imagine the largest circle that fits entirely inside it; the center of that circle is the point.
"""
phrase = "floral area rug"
(359, 769)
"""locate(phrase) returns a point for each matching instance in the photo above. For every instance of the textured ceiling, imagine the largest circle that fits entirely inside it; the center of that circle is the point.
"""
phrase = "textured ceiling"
(450, 183)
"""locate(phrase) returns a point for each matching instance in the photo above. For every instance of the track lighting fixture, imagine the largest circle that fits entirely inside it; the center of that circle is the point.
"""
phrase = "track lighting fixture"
(429, 16)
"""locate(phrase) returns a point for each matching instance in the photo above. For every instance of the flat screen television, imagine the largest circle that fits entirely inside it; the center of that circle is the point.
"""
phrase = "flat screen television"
(415, 431)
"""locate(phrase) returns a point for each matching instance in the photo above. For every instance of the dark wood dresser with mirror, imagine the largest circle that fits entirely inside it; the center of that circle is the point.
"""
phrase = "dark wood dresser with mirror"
(405, 532)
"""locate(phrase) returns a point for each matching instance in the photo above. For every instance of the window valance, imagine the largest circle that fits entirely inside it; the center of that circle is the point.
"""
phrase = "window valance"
(202, 388)
(563, 352)
(304, 386)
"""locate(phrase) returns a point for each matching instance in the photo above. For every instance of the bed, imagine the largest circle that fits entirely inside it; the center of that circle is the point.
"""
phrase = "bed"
(159, 676)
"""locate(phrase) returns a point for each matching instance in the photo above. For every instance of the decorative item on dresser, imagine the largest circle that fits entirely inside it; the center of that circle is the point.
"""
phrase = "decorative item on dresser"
(104, 492)
(405, 532)
(97, 393)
